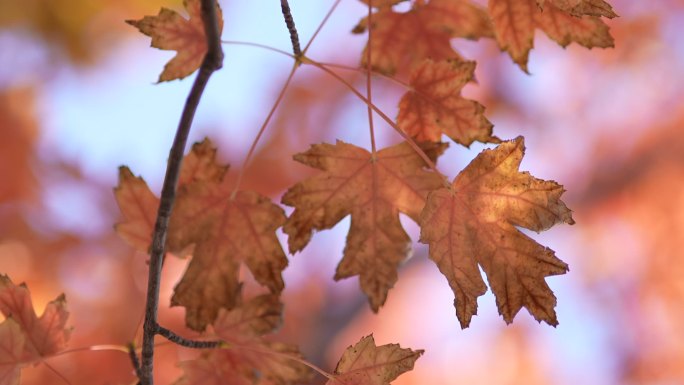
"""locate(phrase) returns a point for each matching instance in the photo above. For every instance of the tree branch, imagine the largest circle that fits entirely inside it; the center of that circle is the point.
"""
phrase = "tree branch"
(289, 21)
(212, 61)
(175, 338)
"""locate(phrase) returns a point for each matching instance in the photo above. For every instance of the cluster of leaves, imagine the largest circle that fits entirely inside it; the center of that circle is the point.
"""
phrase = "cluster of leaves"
(468, 223)
(25, 338)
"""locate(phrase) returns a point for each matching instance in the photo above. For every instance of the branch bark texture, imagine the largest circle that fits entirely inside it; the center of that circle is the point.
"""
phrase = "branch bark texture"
(213, 61)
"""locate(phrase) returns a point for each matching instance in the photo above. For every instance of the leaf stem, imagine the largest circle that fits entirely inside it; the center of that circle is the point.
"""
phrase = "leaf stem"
(264, 46)
(368, 83)
(57, 373)
(384, 116)
(288, 356)
(320, 26)
(238, 182)
(213, 60)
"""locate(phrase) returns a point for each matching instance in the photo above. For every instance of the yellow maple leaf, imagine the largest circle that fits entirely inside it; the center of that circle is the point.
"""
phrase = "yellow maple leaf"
(434, 105)
(474, 222)
(401, 40)
(373, 190)
(171, 31)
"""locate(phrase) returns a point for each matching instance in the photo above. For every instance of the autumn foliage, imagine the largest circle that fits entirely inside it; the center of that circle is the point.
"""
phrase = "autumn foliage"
(227, 231)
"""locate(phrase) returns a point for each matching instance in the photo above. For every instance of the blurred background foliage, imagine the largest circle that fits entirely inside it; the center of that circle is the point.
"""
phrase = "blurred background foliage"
(76, 101)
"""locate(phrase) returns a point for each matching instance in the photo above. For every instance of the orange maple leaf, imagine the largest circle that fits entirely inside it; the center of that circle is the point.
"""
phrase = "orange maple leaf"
(564, 21)
(247, 356)
(24, 337)
(171, 31)
(434, 105)
(374, 189)
(474, 222)
(367, 364)
(222, 231)
(400, 41)
(582, 7)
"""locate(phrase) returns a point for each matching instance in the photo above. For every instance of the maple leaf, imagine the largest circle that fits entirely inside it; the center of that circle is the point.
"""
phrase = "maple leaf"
(474, 222)
(171, 31)
(367, 364)
(382, 3)
(582, 7)
(564, 28)
(11, 348)
(400, 41)
(564, 21)
(24, 337)
(221, 229)
(247, 355)
(139, 205)
(373, 190)
(434, 105)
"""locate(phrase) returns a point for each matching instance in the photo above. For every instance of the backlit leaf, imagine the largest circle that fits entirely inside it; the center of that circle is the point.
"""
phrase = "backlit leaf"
(367, 364)
(564, 21)
(247, 355)
(401, 41)
(222, 230)
(474, 222)
(171, 31)
(373, 190)
(434, 106)
(26, 338)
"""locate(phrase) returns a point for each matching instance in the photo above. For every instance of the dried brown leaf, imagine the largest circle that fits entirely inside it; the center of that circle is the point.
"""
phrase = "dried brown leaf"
(564, 21)
(367, 364)
(247, 356)
(474, 222)
(434, 106)
(222, 229)
(26, 338)
(373, 190)
(171, 31)
(401, 41)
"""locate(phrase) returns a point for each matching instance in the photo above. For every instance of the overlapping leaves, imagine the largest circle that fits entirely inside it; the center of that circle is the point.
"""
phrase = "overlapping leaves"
(221, 228)
(247, 355)
(25, 338)
(402, 40)
(564, 21)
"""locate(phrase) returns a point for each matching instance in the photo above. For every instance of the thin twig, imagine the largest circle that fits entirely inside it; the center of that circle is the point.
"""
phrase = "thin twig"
(368, 83)
(262, 130)
(384, 117)
(193, 344)
(264, 46)
(289, 357)
(135, 361)
(320, 26)
(213, 61)
(289, 21)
